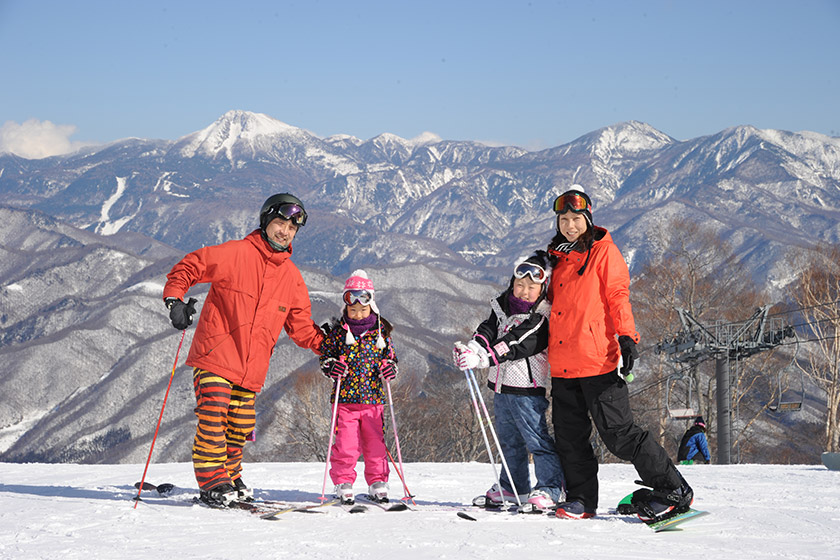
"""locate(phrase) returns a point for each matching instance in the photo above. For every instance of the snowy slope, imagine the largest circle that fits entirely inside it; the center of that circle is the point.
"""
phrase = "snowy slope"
(85, 511)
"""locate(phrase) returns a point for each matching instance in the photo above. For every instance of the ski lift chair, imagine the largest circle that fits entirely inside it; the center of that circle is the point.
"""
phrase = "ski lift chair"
(785, 402)
(689, 411)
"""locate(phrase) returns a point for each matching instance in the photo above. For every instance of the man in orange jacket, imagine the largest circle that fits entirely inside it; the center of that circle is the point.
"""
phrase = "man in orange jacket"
(255, 292)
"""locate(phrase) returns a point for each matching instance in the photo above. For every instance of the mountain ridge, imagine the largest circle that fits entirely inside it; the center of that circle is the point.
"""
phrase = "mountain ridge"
(436, 223)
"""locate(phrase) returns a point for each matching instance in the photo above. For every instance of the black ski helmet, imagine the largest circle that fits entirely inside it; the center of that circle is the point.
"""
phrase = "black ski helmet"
(270, 207)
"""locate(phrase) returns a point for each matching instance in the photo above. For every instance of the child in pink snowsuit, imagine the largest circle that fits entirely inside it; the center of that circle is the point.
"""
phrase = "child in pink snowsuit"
(358, 351)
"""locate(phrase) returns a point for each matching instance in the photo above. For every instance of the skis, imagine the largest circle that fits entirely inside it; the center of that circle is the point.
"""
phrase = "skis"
(484, 503)
(309, 508)
(272, 510)
(387, 506)
(265, 509)
(163, 489)
(354, 508)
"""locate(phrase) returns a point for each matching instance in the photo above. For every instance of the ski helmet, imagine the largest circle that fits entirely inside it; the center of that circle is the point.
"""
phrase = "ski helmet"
(283, 205)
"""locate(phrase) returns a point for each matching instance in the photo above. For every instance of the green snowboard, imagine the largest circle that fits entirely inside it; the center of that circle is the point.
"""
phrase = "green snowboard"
(626, 507)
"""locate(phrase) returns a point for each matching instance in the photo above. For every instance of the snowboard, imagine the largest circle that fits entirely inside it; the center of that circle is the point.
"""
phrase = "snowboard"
(672, 522)
(626, 507)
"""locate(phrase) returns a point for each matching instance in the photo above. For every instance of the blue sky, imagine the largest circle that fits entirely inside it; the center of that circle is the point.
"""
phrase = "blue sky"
(535, 74)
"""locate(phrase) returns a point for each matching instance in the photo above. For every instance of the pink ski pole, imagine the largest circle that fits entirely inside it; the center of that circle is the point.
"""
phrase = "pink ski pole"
(148, 460)
(408, 496)
(332, 433)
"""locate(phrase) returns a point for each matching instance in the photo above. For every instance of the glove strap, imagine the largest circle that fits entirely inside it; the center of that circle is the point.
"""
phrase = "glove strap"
(492, 355)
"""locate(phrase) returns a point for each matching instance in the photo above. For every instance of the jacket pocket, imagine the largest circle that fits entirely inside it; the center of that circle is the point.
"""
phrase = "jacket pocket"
(599, 344)
(271, 318)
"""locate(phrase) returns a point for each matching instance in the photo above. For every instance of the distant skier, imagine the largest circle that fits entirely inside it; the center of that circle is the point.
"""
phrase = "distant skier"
(358, 350)
(694, 444)
(590, 328)
(255, 292)
(514, 338)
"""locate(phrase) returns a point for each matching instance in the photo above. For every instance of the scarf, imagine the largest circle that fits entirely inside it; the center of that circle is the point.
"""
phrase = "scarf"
(359, 326)
(518, 306)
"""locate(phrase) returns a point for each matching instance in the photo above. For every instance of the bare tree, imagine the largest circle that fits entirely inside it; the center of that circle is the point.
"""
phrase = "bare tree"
(818, 295)
(699, 273)
(437, 420)
(303, 417)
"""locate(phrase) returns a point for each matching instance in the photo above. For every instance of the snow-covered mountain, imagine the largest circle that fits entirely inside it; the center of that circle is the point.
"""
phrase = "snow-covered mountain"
(376, 201)
(87, 349)
(87, 239)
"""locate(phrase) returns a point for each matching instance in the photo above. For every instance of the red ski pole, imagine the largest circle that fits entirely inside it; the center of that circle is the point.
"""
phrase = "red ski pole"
(409, 495)
(142, 480)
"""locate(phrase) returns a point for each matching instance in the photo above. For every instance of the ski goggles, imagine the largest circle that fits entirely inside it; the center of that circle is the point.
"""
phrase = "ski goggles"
(575, 202)
(289, 211)
(357, 296)
(536, 272)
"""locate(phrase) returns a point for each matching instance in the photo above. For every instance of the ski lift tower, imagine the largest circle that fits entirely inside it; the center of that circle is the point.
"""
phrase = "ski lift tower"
(724, 342)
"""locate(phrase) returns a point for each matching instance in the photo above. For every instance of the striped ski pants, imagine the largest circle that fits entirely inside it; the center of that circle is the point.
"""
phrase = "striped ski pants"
(226, 418)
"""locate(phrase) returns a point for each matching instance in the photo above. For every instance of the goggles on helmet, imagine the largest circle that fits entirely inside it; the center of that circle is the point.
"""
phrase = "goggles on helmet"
(288, 211)
(536, 272)
(357, 296)
(571, 201)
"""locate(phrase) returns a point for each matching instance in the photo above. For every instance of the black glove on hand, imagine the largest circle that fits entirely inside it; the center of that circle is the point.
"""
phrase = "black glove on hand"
(180, 313)
(333, 368)
(387, 369)
(628, 353)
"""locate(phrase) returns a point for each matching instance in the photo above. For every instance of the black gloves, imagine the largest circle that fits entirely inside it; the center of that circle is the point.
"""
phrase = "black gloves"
(333, 368)
(180, 313)
(628, 353)
(387, 369)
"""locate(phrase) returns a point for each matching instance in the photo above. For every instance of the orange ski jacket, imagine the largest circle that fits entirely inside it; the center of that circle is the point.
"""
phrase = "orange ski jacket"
(255, 292)
(589, 311)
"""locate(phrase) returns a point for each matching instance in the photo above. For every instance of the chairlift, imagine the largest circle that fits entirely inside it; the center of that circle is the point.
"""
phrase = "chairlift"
(792, 401)
(671, 403)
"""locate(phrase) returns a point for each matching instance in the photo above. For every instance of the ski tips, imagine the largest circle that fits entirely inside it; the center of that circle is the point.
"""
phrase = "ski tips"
(161, 489)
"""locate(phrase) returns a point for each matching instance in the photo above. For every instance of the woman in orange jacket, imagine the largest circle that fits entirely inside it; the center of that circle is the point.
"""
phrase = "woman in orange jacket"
(592, 332)
(255, 292)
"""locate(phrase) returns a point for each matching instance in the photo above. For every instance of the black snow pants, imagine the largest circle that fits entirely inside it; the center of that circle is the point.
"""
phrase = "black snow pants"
(605, 399)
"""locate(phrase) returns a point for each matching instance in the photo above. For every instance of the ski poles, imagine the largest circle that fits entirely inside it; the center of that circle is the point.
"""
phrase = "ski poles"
(475, 390)
(396, 441)
(148, 460)
(332, 434)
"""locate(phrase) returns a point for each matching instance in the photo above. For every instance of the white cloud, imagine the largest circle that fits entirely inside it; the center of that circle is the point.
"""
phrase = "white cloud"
(36, 139)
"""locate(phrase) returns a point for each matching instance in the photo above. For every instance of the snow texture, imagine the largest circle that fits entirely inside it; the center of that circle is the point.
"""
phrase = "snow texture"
(86, 511)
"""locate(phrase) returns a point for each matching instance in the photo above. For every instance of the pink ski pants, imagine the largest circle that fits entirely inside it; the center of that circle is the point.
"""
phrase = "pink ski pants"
(359, 430)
